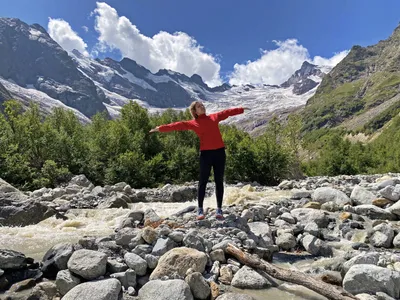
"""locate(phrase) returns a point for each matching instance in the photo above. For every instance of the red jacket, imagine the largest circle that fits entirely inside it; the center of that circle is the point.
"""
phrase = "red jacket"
(206, 127)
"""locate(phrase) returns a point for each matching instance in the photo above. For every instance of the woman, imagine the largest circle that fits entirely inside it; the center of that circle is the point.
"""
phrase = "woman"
(212, 149)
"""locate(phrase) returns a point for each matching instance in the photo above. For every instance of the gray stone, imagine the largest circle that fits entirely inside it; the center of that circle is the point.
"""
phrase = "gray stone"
(115, 266)
(383, 236)
(199, 287)
(124, 236)
(176, 236)
(136, 263)
(327, 194)
(315, 246)
(396, 241)
(113, 202)
(178, 261)
(390, 193)
(218, 255)
(162, 246)
(263, 230)
(307, 215)
(361, 195)
(288, 218)
(383, 296)
(107, 289)
(372, 279)
(297, 195)
(365, 258)
(151, 260)
(394, 209)
(176, 289)
(286, 241)
(88, 264)
(373, 212)
(247, 278)
(65, 281)
(127, 278)
(10, 259)
(193, 240)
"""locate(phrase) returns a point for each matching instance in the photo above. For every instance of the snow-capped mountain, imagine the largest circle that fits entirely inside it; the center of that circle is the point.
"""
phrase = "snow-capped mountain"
(33, 67)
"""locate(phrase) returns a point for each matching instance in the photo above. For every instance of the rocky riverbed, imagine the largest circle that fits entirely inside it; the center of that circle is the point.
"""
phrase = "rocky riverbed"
(344, 229)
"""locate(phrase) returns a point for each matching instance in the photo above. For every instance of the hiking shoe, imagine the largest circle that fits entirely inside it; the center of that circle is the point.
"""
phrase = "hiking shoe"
(218, 214)
(200, 214)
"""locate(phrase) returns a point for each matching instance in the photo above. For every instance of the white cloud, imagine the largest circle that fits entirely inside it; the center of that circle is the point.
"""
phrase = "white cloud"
(277, 65)
(62, 33)
(178, 52)
(85, 28)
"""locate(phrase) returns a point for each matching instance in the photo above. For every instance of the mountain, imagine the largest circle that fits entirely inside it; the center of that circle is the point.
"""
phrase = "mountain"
(34, 68)
(361, 92)
(304, 79)
(29, 57)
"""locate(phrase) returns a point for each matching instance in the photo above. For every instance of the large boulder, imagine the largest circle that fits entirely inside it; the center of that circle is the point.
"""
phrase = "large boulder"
(9, 193)
(361, 195)
(107, 289)
(10, 259)
(307, 215)
(373, 212)
(247, 278)
(178, 261)
(88, 264)
(56, 259)
(328, 194)
(372, 279)
(262, 230)
(176, 289)
(23, 213)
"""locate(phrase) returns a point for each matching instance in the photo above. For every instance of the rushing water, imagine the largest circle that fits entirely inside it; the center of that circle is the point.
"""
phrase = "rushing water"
(35, 240)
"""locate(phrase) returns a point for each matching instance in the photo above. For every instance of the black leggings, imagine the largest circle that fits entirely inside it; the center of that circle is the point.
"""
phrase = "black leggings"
(215, 159)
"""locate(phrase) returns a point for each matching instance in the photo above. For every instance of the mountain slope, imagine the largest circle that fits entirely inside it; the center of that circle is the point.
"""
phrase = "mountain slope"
(28, 56)
(364, 79)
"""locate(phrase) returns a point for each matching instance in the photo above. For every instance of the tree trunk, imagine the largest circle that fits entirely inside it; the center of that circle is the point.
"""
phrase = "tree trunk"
(322, 288)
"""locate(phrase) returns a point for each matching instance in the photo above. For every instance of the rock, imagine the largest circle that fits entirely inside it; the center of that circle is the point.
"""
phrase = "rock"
(114, 266)
(177, 236)
(383, 296)
(80, 180)
(8, 193)
(136, 215)
(372, 279)
(113, 202)
(142, 250)
(124, 236)
(178, 261)
(288, 218)
(183, 194)
(373, 212)
(327, 194)
(10, 259)
(151, 260)
(107, 289)
(390, 181)
(22, 285)
(247, 278)
(162, 246)
(381, 202)
(150, 217)
(389, 192)
(307, 215)
(297, 195)
(286, 241)
(225, 275)
(262, 230)
(176, 289)
(149, 235)
(330, 206)
(24, 213)
(369, 258)
(193, 240)
(198, 286)
(345, 216)
(361, 195)
(315, 246)
(218, 255)
(88, 264)
(56, 259)
(394, 209)
(383, 236)
(127, 279)
(247, 214)
(136, 263)
(65, 281)
(396, 241)
(47, 288)
(313, 205)
(235, 296)
(366, 297)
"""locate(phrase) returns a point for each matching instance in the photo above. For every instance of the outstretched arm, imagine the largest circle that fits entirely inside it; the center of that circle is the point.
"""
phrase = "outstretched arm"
(177, 126)
(222, 115)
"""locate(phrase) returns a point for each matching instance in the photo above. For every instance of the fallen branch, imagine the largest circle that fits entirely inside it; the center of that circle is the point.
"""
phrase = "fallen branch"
(318, 286)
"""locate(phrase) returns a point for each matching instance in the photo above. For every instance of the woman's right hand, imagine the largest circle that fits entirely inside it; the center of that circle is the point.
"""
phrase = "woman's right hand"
(155, 130)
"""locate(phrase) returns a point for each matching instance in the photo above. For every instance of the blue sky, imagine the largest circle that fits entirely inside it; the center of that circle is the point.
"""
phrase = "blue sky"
(220, 40)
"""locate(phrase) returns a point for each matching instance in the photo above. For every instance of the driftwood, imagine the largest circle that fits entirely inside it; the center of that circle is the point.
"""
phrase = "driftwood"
(318, 286)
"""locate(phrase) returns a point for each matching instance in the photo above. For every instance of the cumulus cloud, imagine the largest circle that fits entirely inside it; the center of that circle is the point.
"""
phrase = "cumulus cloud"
(62, 33)
(277, 65)
(178, 51)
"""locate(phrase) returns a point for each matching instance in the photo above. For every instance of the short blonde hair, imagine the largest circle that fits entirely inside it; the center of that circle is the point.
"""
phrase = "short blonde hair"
(192, 108)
